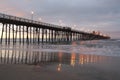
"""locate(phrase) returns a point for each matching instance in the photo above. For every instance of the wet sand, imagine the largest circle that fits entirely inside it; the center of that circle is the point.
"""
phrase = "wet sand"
(105, 70)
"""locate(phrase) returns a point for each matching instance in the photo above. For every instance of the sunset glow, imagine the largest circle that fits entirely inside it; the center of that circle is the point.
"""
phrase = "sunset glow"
(103, 15)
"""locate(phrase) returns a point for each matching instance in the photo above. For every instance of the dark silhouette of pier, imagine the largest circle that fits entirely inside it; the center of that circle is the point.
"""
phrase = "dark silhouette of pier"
(29, 31)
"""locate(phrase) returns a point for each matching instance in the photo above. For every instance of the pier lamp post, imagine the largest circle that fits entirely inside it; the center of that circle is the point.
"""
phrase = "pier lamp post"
(74, 26)
(40, 19)
(32, 13)
(60, 22)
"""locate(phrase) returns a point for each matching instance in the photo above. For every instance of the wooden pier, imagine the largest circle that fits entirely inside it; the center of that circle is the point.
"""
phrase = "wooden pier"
(15, 29)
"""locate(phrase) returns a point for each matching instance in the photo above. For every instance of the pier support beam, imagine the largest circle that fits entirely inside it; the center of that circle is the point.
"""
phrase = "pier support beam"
(2, 33)
(23, 35)
(16, 34)
(9, 34)
(42, 35)
(6, 34)
(52, 35)
(27, 36)
(19, 34)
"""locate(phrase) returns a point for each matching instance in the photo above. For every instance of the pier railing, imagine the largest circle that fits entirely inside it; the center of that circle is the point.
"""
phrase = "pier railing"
(5, 16)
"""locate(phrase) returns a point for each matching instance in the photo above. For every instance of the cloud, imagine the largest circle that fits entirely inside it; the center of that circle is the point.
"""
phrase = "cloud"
(104, 14)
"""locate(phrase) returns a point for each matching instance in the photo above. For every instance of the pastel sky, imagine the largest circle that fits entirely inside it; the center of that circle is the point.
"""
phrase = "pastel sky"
(88, 15)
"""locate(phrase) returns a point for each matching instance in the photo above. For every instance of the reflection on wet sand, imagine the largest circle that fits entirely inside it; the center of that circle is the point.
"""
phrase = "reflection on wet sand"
(44, 63)
(59, 67)
(25, 57)
(73, 57)
(84, 59)
(14, 56)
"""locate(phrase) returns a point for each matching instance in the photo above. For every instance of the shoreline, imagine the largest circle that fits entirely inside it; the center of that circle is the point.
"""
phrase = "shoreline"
(54, 71)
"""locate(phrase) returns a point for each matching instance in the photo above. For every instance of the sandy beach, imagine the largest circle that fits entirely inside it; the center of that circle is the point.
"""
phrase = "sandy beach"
(107, 70)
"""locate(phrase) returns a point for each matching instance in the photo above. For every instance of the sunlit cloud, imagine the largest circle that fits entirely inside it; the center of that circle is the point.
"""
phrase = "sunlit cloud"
(100, 15)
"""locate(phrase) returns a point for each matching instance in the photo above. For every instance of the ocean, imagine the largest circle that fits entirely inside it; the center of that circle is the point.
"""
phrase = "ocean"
(94, 47)
(78, 60)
